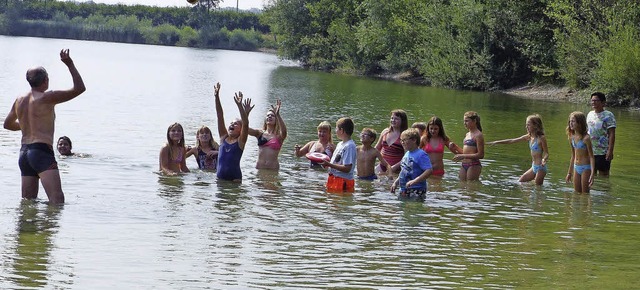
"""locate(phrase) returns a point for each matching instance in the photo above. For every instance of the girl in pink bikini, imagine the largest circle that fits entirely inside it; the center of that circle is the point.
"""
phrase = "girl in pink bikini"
(172, 154)
(270, 138)
(389, 143)
(433, 142)
(472, 150)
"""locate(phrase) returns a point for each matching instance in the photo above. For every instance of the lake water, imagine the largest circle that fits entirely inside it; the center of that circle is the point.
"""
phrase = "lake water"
(126, 227)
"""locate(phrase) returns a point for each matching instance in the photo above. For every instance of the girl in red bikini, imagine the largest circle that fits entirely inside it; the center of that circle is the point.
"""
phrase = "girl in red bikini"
(472, 150)
(434, 142)
(389, 143)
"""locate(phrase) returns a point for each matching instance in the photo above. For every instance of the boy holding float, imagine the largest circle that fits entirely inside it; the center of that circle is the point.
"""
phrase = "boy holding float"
(341, 166)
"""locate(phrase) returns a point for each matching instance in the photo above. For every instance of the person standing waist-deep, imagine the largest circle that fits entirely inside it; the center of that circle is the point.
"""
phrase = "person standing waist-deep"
(34, 115)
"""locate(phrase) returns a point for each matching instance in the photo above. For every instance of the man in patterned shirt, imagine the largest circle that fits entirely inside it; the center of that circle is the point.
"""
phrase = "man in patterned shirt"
(602, 129)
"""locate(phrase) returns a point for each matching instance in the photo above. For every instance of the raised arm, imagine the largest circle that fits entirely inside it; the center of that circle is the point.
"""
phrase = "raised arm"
(61, 96)
(244, 108)
(283, 127)
(222, 126)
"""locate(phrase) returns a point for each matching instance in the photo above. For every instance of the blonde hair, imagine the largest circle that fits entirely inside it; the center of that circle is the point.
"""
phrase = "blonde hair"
(581, 120)
(474, 116)
(212, 143)
(325, 125)
(536, 121)
(411, 133)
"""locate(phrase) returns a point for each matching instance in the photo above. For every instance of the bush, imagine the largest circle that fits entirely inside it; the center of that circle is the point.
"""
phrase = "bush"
(619, 69)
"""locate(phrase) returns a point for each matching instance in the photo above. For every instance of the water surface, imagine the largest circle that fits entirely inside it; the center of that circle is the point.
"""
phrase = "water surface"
(124, 226)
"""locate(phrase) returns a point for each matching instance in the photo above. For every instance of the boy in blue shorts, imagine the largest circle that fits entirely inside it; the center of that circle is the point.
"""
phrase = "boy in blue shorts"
(343, 160)
(415, 167)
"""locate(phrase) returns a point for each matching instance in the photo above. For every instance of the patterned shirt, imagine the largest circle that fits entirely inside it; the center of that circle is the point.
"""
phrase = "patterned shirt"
(598, 124)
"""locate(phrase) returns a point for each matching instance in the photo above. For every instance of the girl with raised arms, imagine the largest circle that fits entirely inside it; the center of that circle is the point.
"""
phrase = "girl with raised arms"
(270, 138)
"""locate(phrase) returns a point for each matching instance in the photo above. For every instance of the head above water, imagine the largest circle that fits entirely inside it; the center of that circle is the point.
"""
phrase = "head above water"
(37, 77)
(346, 124)
(402, 115)
(64, 146)
(536, 124)
(435, 121)
(579, 124)
(205, 131)
(324, 129)
(173, 127)
(471, 115)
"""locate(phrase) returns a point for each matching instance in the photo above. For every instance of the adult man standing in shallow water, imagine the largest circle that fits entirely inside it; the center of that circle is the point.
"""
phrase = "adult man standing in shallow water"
(34, 115)
(602, 129)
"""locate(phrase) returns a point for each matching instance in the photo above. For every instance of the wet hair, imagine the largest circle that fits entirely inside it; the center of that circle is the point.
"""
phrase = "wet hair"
(65, 138)
(175, 125)
(371, 132)
(36, 76)
(581, 121)
(600, 96)
(325, 125)
(536, 121)
(435, 121)
(474, 116)
(212, 143)
(264, 126)
(345, 124)
(411, 133)
(404, 122)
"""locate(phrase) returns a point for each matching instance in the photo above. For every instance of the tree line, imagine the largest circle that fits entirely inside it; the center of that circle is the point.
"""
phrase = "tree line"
(461, 44)
(469, 44)
(201, 25)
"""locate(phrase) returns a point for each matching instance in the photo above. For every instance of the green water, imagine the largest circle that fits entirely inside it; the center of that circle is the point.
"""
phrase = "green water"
(126, 227)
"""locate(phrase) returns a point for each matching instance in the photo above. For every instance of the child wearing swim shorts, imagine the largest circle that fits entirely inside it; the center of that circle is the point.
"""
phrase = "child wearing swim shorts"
(415, 167)
(341, 167)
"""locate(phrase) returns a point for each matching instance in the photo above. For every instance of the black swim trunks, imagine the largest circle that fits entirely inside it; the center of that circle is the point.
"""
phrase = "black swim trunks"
(36, 158)
(602, 164)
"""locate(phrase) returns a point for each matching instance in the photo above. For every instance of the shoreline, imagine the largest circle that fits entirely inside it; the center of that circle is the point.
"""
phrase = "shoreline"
(546, 92)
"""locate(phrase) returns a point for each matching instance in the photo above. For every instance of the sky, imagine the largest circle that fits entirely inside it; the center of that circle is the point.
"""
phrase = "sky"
(242, 4)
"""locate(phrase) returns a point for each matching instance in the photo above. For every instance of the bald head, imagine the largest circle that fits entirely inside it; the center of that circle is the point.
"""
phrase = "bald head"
(37, 76)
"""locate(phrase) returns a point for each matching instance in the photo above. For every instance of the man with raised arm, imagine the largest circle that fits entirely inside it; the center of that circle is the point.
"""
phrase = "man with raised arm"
(34, 115)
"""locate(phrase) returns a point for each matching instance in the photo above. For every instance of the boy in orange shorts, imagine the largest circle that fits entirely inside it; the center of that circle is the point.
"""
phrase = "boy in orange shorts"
(342, 163)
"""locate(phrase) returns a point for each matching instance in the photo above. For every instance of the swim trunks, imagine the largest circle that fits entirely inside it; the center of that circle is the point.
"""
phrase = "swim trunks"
(36, 158)
(338, 184)
(370, 177)
(602, 164)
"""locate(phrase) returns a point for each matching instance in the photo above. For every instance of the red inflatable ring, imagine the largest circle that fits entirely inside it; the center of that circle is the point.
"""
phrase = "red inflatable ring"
(318, 157)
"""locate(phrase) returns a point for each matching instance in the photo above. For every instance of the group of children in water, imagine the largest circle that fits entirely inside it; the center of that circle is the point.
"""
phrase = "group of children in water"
(414, 154)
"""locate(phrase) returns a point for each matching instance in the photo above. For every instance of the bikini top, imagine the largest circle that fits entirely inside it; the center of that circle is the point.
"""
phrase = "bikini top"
(578, 145)
(534, 146)
(272, 143)
(178, 158)
(262, 140)
(429, 149)
(470, 142)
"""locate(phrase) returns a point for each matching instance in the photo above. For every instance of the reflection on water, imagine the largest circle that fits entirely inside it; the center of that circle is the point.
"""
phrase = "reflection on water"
(126, 227)
(37, 223)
